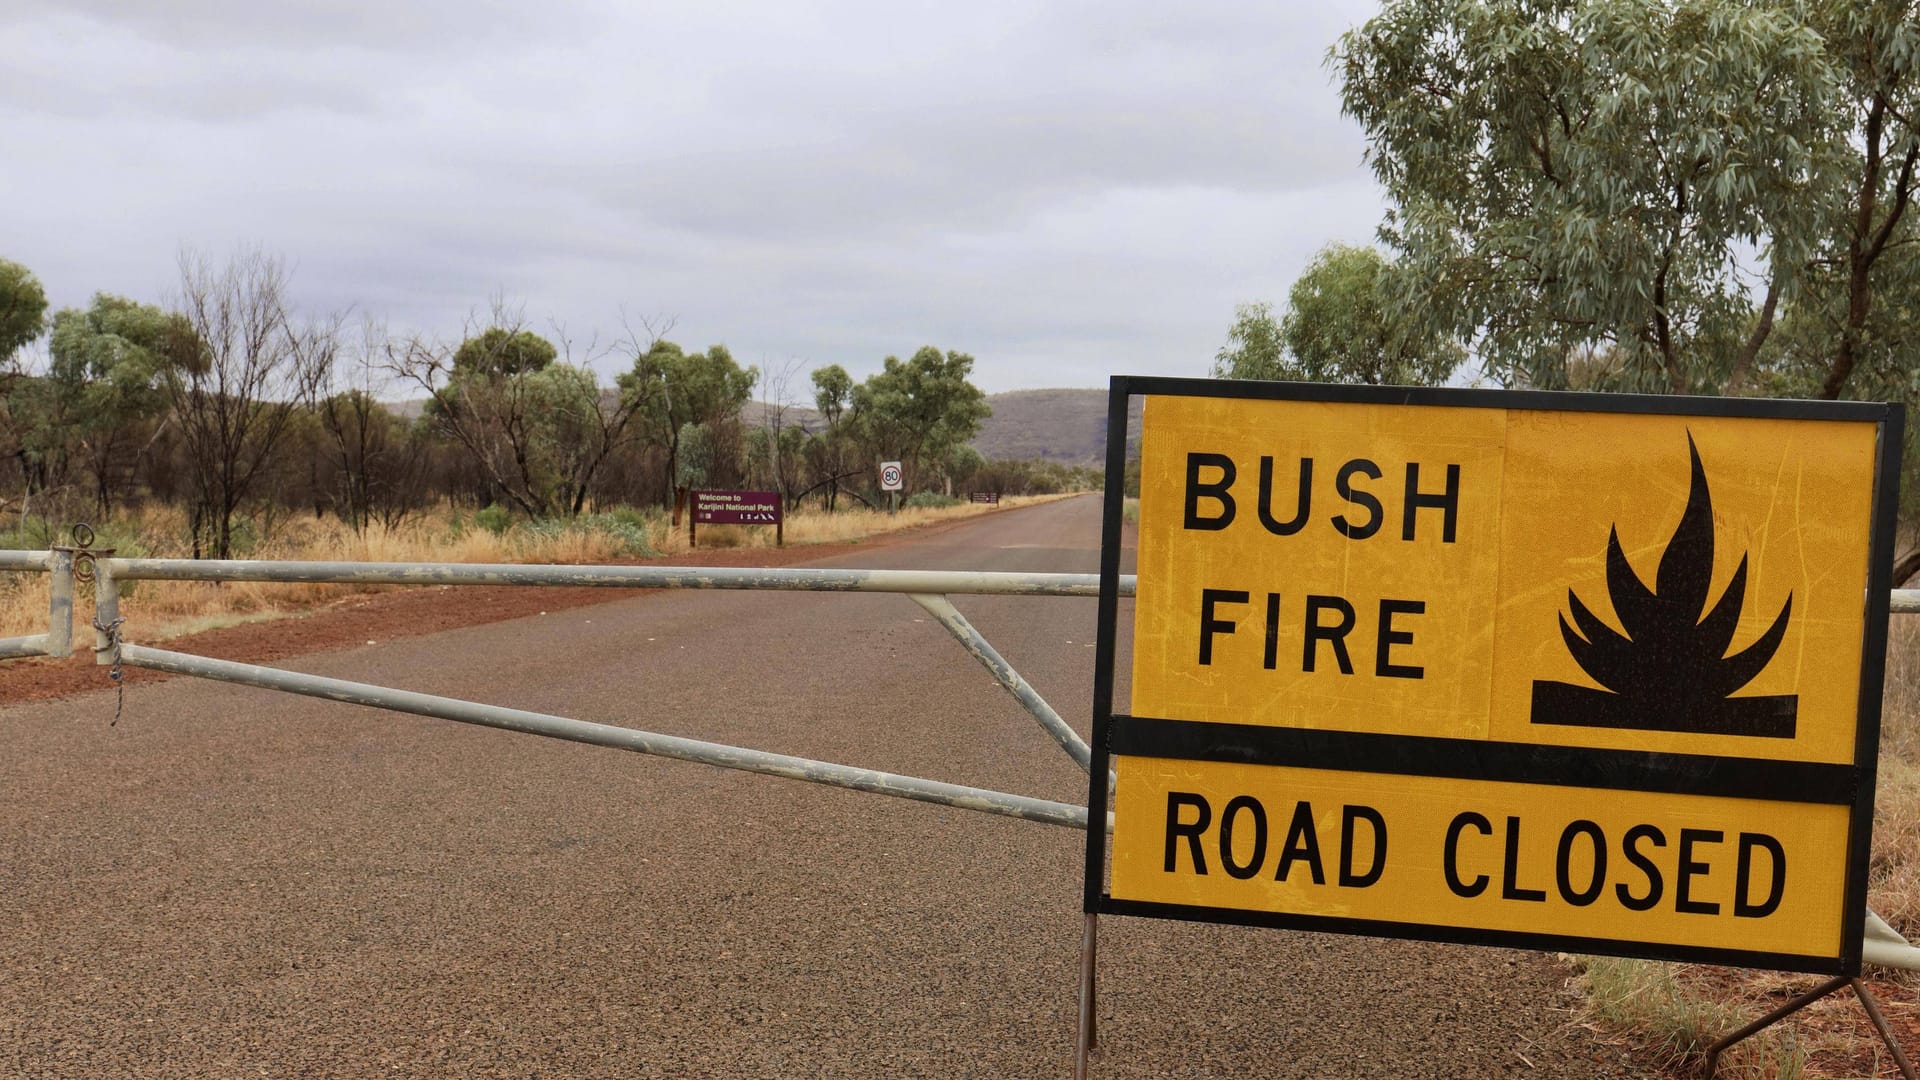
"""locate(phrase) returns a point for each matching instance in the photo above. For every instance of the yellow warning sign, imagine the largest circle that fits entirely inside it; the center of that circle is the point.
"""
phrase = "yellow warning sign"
(1613, 660)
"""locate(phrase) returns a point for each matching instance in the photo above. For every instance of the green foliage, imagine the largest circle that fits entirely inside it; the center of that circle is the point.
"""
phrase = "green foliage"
(761, 456)
(832, 392)
(1579, 187)
(1254, 349)
(1012, 477)
(630, 527)
(1338, 328)
(499, 351)
(628, 534)
(538, 434)
(494, 518)
(627, 527)
(627, 518)
(23, 308)
(919, 409)
(673, 388)
(105, 384)
(931, 500)
(961, 464)
(121, 346)
(696, 455)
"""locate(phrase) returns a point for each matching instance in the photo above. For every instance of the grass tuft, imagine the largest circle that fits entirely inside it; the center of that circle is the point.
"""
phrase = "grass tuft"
(1674, 1023)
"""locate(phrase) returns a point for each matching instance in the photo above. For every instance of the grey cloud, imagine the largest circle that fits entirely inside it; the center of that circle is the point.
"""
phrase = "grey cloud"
(1062, 190)
(306, 24)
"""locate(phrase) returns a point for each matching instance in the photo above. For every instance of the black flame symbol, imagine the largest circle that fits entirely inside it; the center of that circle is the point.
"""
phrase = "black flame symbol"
(1670, 670)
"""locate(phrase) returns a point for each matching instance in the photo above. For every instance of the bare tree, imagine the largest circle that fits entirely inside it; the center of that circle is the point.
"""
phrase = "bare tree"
(376, 458)
(258, 369)
(777, 380)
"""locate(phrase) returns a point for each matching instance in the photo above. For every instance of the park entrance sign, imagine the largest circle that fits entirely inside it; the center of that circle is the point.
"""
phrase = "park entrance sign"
(1586, 672)
(736, 508)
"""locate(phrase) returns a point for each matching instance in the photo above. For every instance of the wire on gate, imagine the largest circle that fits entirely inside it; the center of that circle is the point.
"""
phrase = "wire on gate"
(112, 630)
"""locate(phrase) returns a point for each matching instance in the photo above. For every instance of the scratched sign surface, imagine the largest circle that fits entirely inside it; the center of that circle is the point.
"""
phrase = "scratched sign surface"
(1554, 676)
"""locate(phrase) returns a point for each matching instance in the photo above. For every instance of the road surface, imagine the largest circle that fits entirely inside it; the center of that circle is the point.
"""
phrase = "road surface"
(237, 883)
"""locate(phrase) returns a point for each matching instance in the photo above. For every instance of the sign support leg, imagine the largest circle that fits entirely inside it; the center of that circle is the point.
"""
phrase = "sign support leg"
(1879, 1019)
(1860, 993)
(1084, 1044)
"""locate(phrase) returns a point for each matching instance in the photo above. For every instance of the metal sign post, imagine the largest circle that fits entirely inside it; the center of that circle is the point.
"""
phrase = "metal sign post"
(891, 482)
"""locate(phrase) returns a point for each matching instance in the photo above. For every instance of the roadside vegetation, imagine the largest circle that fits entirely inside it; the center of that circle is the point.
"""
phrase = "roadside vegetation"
(242, 410)
(167, 608)
(228, 422)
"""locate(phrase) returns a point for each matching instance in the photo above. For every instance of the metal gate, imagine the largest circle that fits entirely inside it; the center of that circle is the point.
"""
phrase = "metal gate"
(928, 588)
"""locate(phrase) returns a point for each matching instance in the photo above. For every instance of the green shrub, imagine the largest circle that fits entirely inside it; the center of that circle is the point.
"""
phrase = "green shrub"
(931, 500)
(625, 525)
(494, 518)
(33, 534)
(627, 528)
(634, 517)
(39, 534)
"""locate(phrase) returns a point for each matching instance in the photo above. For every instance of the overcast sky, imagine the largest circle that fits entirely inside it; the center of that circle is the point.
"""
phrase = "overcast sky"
(1065, 191)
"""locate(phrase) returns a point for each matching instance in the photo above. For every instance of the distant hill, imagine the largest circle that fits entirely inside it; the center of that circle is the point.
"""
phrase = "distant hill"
(1067, 426)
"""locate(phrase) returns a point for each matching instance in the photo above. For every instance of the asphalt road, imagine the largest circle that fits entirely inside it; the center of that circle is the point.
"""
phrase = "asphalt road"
(237, 883)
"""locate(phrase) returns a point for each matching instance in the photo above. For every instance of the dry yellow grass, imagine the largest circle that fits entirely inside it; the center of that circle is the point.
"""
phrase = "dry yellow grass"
(1674, 1023)
(23, 604)
(164, 608)
(844, 526)
(1894, 874)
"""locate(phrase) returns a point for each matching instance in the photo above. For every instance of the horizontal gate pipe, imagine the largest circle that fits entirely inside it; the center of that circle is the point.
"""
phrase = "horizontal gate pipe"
(801, 579)
(15, 559)
(1905, 601)
(59, 604)
(609, 735)
(982, 650)
(14, 648)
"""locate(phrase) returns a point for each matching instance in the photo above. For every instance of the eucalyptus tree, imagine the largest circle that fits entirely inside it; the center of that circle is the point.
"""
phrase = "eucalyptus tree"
(105, 390)
(1652, 182)
(828, 450)
(1338, 327)
(23, 309)
(682, 389)
(917, 410)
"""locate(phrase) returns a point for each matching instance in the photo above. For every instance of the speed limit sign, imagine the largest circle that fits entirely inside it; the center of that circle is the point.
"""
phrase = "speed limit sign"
(890, 476)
